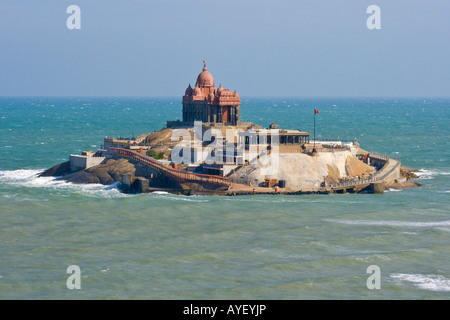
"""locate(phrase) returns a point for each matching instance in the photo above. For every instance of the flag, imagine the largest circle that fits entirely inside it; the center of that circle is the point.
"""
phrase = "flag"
(316, 111)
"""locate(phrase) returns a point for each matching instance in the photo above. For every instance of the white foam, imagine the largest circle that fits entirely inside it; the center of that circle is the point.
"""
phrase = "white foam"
(165, 195)
(159, 192)
(430, 174)
(30, 179)
(114, 186)
(393, 190)
(18, 175)
(427, 282)
(426, 174)
(392, 223)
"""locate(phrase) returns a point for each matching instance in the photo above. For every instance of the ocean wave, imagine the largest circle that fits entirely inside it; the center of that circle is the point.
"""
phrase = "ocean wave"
(427, 282)
(170, 196)
(392, 223)
(31, 179)
(18, 175)
(114, 186)
(15, 197)
(393, 190)
(426, 174)
(160, 192)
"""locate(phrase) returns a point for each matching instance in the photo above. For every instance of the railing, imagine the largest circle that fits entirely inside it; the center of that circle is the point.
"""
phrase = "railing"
(175, 174)
(121, 138)
(381, 156)
(378, 176)
(330, 148)
(397, 164)
(327, 139)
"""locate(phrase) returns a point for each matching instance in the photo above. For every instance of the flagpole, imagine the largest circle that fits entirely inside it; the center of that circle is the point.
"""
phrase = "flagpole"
(314, 129)
(314, 152)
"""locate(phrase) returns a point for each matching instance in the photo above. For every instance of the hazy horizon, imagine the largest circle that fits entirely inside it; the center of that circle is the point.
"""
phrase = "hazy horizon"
(242, 97)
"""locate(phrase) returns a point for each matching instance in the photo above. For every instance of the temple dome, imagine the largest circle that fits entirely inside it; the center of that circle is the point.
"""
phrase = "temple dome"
(205, 78)
(197, 91)
(189, 91)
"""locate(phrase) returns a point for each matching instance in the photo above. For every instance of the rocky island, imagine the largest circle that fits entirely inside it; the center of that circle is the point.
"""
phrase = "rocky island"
(211, 151)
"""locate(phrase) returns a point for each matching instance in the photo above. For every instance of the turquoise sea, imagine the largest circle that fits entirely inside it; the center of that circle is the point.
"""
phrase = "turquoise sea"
(162, 246)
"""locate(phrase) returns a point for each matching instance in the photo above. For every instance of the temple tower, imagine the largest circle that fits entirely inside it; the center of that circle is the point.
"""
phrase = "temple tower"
(210, 105)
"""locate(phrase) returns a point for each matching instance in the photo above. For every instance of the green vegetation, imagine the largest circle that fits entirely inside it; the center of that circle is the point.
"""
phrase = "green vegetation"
(154, 155)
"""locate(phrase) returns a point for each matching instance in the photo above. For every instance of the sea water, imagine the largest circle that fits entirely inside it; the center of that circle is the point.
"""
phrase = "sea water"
(163, 246)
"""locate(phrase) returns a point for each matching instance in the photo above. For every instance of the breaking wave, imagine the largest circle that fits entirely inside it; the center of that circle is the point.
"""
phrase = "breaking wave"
(428, 282)
(392, 223)
(430, 174)
(393, 190)
(31, 179)
(169, 196)
(160, 192)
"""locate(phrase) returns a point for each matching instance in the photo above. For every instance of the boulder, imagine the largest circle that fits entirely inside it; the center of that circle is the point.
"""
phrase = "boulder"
(107, 173)
(59, 170)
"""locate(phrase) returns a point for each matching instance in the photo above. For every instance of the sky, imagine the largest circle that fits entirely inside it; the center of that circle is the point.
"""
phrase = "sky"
(303, 48)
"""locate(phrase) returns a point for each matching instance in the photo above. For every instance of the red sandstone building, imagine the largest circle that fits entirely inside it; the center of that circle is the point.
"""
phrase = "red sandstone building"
(210, 105)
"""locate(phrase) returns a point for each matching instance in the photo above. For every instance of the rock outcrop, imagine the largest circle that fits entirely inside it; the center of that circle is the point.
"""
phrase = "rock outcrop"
(405, 184)
(59, 170)
(408, 173)
(107, 173)
(357, 168)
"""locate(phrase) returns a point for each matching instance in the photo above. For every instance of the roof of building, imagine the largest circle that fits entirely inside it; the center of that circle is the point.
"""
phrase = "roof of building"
(205, 91)
(281, 132)
(205, 79)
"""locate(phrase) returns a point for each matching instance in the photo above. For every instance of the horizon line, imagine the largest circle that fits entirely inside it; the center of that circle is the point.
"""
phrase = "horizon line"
(247, 97)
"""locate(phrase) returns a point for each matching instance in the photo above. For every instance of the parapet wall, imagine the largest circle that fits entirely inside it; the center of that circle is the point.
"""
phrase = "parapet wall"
(78, 162)
(389, 167)
(392, 173)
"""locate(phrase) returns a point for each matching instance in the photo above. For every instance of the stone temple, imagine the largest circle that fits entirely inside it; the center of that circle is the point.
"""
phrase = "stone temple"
(208, 104)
